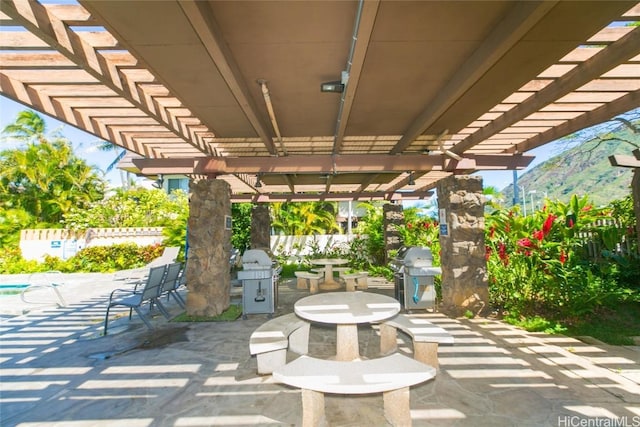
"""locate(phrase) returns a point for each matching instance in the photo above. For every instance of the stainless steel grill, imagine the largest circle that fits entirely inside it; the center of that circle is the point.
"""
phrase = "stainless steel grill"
(413, 273)
(259, 277)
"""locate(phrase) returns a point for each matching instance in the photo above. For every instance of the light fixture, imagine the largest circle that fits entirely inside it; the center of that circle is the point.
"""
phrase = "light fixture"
(258, 183)
(411, 181)
(335, 86)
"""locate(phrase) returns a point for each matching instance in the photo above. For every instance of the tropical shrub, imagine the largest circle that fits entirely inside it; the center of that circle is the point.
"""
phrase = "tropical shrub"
(304, 218)
(97, 259)
(421, 231)
(12, 262)
(539, 264)
(371, 225)
(241, 225)
(135, 207)
(42, 179)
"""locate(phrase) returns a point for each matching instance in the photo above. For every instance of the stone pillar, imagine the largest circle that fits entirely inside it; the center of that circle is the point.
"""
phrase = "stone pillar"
(260, 226)
(464, 268)
(207, 271)
(393, 216)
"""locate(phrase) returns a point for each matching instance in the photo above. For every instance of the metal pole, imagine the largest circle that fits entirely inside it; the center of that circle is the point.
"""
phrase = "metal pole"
(516, 193)
(533, 205)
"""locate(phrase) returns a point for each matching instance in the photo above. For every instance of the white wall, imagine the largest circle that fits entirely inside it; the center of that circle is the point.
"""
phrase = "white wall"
(35, 244)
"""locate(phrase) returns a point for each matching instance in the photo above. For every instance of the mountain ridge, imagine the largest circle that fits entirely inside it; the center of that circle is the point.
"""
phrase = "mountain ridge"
(584, 168)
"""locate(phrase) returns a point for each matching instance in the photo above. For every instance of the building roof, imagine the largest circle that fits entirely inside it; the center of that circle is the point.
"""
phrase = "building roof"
(232, 89)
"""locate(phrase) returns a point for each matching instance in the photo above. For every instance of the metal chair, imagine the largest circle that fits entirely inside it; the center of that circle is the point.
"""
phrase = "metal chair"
(134, 299)
(170, 282)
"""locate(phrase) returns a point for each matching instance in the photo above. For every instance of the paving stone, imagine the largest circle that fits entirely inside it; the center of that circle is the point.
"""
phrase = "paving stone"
(57, 370)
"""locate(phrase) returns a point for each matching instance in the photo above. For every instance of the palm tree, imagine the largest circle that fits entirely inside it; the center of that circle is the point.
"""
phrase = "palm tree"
(108, 146)
(44, 178)
(304, 218)
(29, 126)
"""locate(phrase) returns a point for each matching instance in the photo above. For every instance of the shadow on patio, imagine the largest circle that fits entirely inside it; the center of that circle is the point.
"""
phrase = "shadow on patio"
(57, 371)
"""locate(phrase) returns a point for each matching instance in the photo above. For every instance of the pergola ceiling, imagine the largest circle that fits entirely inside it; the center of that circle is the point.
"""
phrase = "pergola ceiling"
(231, 89)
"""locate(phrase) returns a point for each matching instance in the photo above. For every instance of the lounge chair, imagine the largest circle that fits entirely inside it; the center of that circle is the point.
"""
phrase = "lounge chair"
(134, 299)
(45, 280)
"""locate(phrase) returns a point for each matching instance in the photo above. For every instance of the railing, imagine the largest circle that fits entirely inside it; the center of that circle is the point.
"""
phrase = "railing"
(609, 235)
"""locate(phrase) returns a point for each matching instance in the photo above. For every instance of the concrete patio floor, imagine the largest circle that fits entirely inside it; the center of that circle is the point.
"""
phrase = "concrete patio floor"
(56, 370)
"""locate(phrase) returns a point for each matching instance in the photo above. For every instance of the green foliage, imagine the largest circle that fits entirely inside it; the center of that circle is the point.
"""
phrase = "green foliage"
(539, 264)
(175, 232)
(371, 225)
(12, 221)
(11, 262)
(230, 314)
(241, 225)
(616, 326)
(536, 324)
(304, 218)
(135, 207)
(98, 259)
(288, 269)
(421, 231)
(46, 180)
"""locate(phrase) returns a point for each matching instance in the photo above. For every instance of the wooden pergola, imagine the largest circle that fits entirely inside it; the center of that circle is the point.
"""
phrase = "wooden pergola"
(419, 90)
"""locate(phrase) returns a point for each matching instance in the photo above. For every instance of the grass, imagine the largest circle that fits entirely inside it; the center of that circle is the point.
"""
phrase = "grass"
(615, 326)
(230, 314)
(612, 326)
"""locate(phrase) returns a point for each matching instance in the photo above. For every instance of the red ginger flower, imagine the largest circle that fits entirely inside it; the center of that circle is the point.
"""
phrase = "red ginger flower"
(548, 223)
(538, 234)
(563, 257)
(502, 253)
(525, 243)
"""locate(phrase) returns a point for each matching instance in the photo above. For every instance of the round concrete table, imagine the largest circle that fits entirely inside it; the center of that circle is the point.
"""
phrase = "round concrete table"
(328, 263)
(347, 310)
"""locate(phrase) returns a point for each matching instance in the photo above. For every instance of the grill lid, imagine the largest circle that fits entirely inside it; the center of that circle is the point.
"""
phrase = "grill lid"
(255, 258)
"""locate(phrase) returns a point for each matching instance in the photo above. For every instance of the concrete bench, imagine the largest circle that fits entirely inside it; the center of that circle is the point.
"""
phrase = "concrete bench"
(355, 280)
(271, 340)
(308, 280)
(425, 335)
(390, 375)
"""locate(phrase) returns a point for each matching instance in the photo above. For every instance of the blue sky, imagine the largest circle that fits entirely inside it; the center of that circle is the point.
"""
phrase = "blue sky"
(84, 144)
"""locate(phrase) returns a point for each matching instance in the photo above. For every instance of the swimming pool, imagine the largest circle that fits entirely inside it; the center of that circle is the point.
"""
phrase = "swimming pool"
(12, 289)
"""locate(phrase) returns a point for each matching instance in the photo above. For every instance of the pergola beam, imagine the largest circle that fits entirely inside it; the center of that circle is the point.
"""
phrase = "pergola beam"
(328, 164)
(363, 35)
(600, 114)
(520, 19)
(204, 24)
(618, 52)
(56, 34)
(330, 197)
(624, 161)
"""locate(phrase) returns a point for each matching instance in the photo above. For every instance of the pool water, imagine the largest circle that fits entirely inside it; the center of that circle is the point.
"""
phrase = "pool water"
(12, 289)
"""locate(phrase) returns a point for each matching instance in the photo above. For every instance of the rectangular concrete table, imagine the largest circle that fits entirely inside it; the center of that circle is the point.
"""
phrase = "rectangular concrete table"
(346, 310)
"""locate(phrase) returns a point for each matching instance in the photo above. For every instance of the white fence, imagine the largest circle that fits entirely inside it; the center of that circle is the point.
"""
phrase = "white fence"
(35, 244)
(299, 246)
